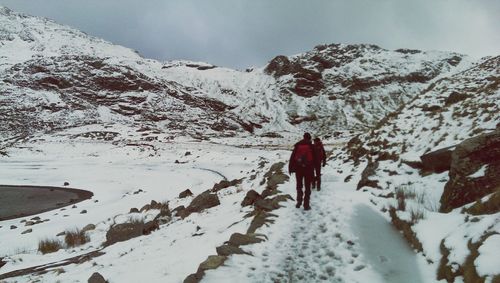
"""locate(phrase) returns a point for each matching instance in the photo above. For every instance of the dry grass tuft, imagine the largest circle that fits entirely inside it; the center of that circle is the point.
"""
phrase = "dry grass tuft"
(75, 238)
(46, 246)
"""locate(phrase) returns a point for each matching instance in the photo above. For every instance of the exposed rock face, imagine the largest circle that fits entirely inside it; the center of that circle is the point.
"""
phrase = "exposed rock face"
(437, 161)
(308, 82)
(467, 182)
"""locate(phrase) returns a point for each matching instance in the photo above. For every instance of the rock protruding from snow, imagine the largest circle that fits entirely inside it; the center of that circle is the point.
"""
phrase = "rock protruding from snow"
(126, 231)
(251, 197)
(437, 161)
(470, 156)
(96, 278)
(185, 194)
(203, 201)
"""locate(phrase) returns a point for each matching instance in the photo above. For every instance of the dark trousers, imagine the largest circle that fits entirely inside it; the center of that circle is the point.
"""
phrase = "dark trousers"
(304, 179)
(317, 178)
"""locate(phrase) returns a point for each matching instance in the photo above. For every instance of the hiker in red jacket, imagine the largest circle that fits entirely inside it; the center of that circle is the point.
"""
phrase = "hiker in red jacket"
(302, 163)
(320, 153)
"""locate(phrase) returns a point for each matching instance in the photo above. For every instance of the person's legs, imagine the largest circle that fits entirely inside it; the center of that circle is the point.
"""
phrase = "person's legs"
(299, 176)
(308, 179)
(318, 177)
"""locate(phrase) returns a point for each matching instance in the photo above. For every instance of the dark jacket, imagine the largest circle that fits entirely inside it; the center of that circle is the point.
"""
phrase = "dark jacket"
(319, 150)
(292, 165)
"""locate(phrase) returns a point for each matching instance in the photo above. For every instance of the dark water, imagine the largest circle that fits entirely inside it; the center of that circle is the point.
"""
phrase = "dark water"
(19, 201)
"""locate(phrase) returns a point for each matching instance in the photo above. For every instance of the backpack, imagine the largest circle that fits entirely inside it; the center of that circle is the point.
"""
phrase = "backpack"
(303, 156)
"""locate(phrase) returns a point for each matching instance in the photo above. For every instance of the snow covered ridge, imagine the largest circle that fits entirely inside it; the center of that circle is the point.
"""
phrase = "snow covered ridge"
(24, 37)
(453, 126)
(331, 88)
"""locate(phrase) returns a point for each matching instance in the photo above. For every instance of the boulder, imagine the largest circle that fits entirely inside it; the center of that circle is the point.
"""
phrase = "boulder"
(96, 278)
(150, 227)
(185, 193)
(178, 209)
(212, 262)
(203, 201)
(88, 227)
(2, 262)
(265, 204)
(194, 278)
(227, 250)
(27, 231)
(437, 161)
(225, 184)
(250, 198)
(134, 210)
(474, 171)
(126, 231)
(238, 239)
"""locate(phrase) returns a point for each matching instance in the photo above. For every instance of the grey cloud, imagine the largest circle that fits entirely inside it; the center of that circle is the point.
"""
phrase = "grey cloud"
(240, 34)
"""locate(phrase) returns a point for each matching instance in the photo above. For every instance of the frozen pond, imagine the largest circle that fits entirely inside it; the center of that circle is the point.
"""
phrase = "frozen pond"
(19, 201)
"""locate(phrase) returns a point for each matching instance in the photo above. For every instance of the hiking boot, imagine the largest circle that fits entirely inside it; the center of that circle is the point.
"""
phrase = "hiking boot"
(307, 208)
(297, 205)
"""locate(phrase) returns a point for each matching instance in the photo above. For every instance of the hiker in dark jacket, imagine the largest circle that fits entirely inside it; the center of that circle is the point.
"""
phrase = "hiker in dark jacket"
(302, 163)
(320, 153)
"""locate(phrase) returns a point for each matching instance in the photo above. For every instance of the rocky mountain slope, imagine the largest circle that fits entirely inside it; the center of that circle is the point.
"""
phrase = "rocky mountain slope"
(435, 161)
(54, 77)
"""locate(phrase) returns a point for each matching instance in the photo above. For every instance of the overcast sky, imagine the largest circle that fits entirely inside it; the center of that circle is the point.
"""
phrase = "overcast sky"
(240, 34)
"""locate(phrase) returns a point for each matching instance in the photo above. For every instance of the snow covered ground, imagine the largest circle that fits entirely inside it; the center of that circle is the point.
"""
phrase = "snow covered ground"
(115, 175)
(330, 243)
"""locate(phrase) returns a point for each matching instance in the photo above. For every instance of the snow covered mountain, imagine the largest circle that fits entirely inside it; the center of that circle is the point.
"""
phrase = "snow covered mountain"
(49, 71)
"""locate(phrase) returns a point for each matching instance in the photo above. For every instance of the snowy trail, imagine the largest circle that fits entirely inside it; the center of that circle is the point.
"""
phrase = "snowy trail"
(384, 248)
(340, 240)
